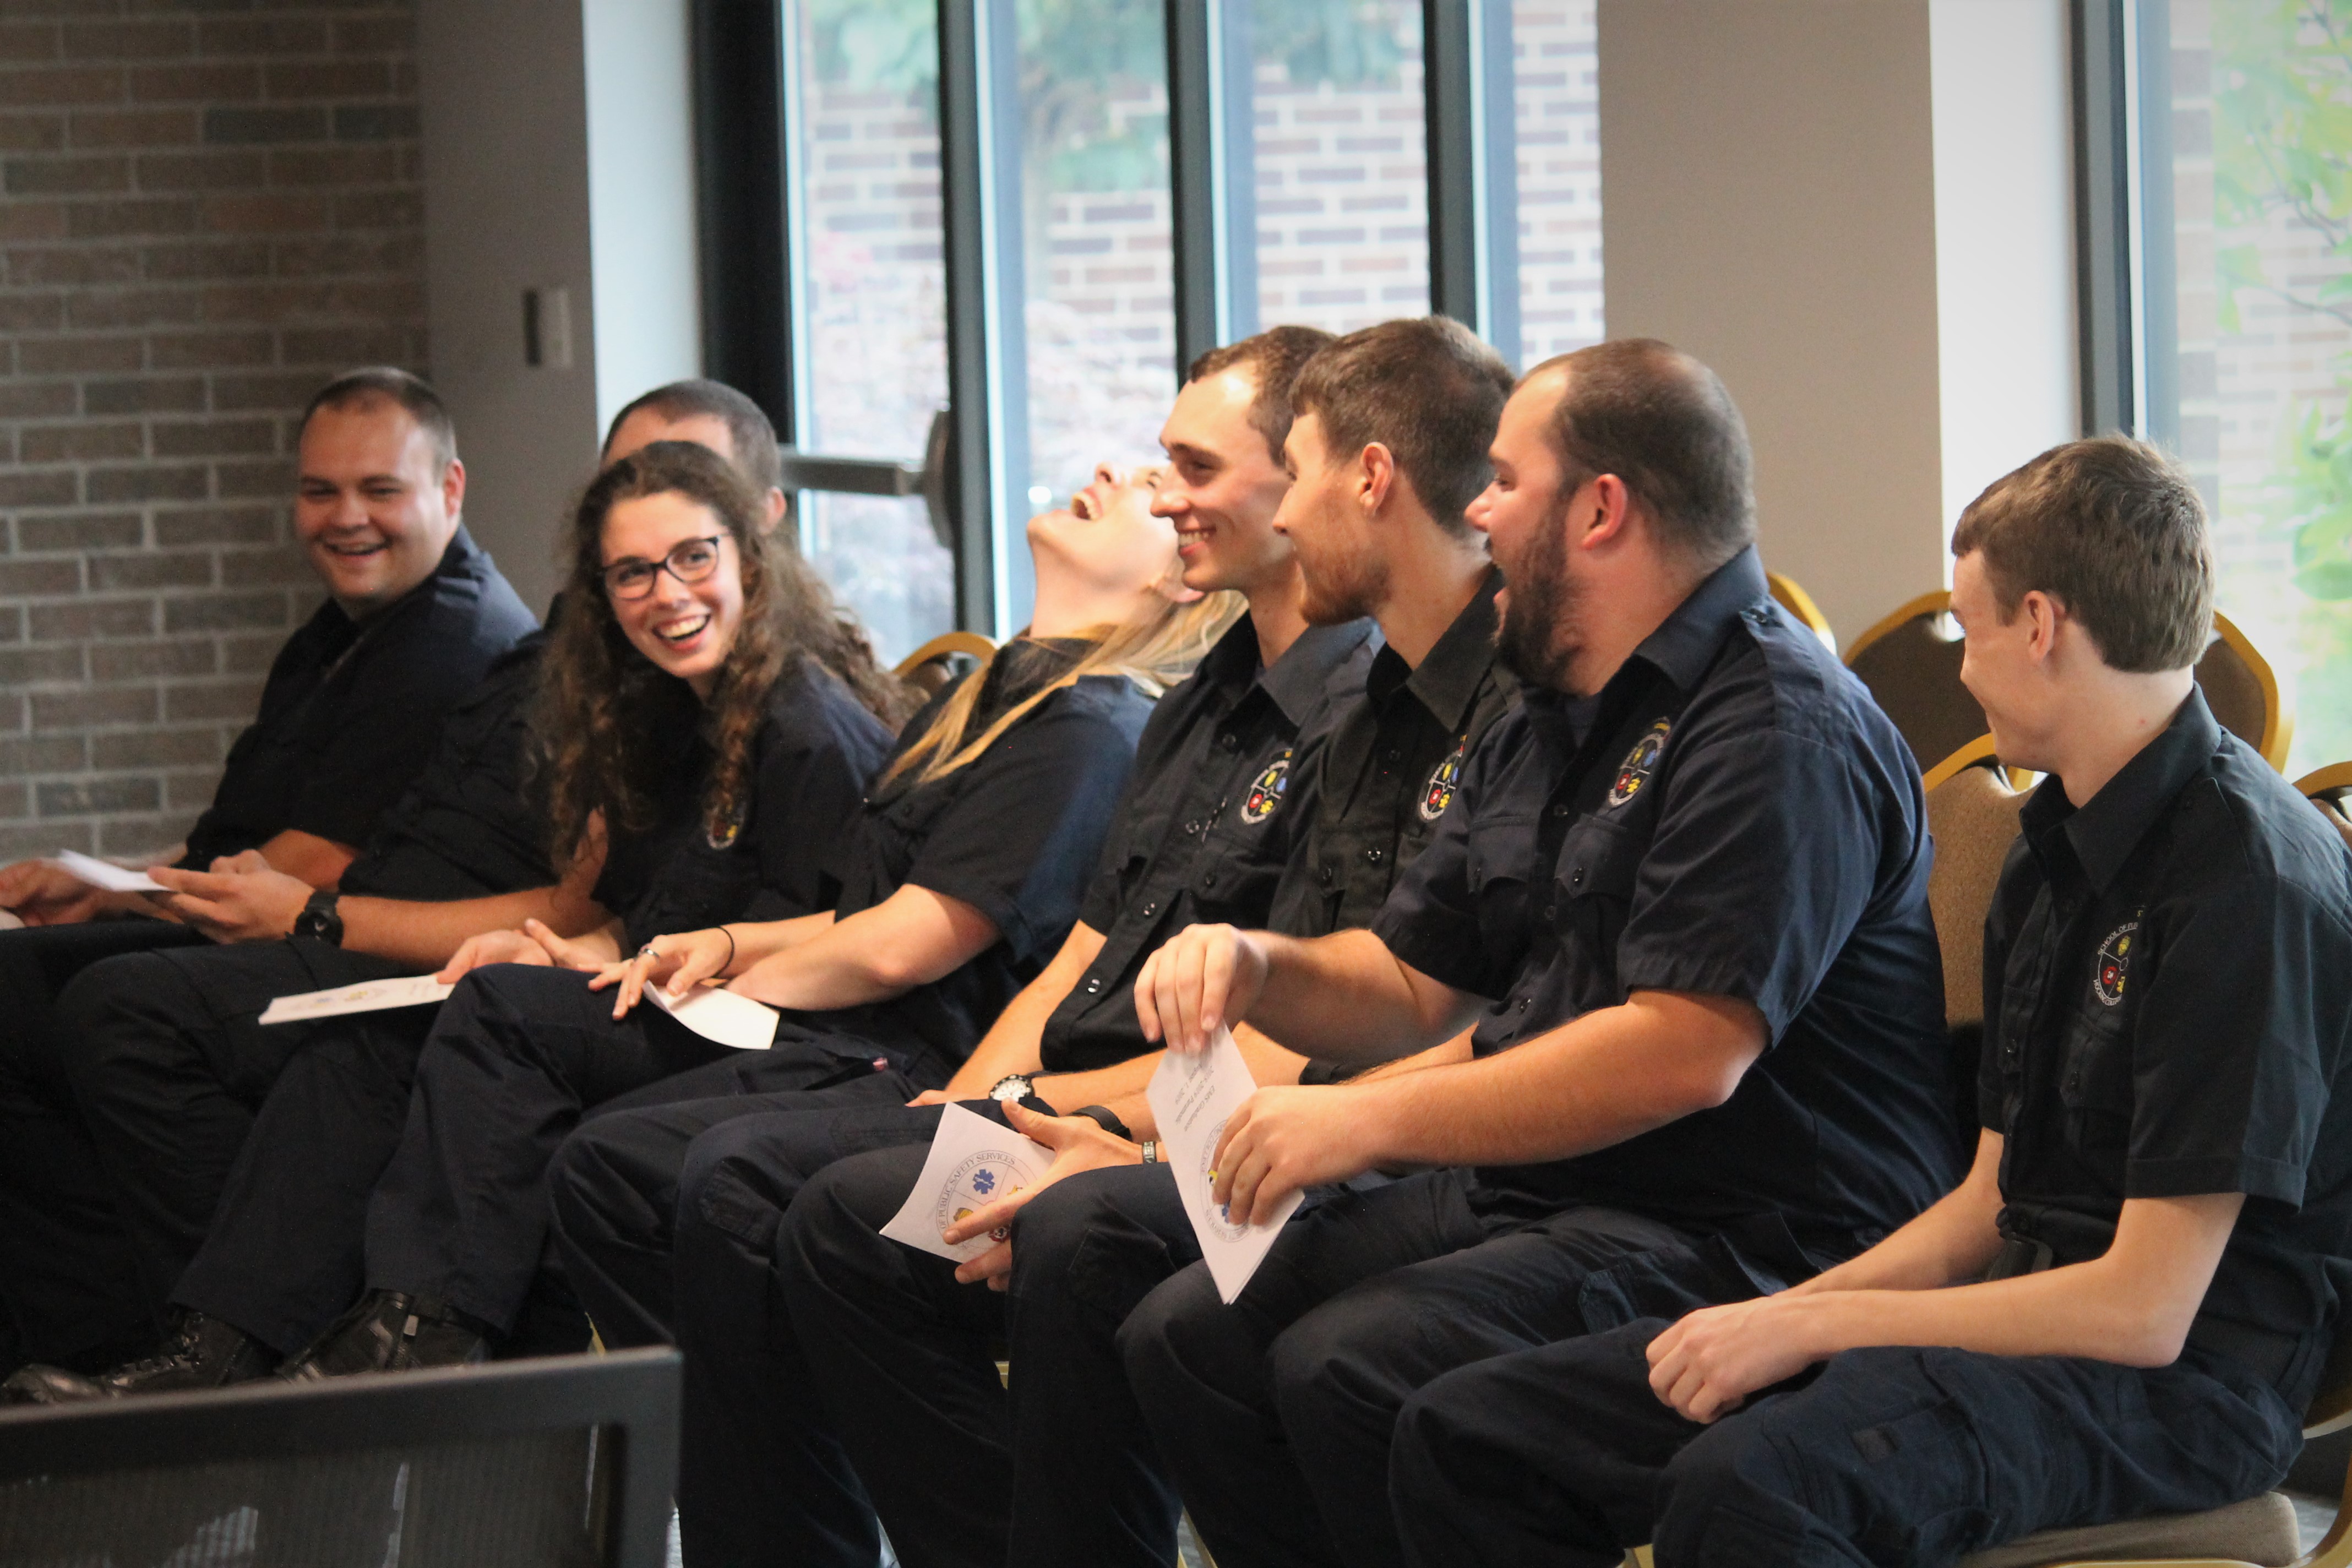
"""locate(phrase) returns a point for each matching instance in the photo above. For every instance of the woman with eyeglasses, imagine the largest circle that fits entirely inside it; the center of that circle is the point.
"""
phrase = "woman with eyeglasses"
(960, 876)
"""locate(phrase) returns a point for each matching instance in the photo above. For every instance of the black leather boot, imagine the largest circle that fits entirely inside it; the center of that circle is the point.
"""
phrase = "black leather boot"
(203, 1352)
(391, 1331)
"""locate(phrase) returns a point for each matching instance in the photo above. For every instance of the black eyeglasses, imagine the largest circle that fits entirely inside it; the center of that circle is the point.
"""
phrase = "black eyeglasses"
(688, 561)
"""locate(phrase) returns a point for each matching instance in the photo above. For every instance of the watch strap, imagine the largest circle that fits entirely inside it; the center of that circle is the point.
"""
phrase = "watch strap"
(320, 918)
(1105, 1118)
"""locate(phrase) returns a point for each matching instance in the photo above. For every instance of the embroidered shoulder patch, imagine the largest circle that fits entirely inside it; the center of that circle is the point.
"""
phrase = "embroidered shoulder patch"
(1266, 790)
(1634, 770)
(1438, 793)
(2113, 966)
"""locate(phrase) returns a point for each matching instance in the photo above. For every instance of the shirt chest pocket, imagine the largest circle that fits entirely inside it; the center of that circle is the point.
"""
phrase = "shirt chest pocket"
(1593, 883)
(1502, 868)
(2095, 1079)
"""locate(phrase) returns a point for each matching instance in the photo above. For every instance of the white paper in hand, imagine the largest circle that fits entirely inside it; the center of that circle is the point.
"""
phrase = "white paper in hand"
(724, 1017)
(367, 996)
(102, 873)
(972, 1164)
(1192, 1096)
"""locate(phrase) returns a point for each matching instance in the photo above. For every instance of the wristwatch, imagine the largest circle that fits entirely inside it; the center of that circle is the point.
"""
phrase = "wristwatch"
(1011, 1086)
(320, 919)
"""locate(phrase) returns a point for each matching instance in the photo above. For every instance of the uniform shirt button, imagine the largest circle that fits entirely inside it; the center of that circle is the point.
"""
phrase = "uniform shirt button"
(1325, 874)
(1193, 826)
(1562, 809)
(1551, 911)
(1393, 754)
(1230, 741)
(1523, 1003)
(1376, 853)
(1576, 877)
(1150, 910)
(1094, 984)
(1209, 880)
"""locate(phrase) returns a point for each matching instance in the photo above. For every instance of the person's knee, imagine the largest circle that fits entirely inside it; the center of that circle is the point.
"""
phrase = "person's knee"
(726, 1193)
(579, 1178)
(114, 1014)
(1734, 1495)
(1160, 1342)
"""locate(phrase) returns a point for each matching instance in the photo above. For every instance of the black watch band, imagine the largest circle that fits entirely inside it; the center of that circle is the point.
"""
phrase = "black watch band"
(320, 919)
(1103, 1117)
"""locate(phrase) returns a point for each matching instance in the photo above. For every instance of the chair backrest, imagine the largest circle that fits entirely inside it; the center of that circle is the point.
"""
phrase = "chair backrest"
(2328, 789)
(931, 667)
(563, 1463)
(2243, 692)
(1794, 598)
(1973, 811)
(1911, 662)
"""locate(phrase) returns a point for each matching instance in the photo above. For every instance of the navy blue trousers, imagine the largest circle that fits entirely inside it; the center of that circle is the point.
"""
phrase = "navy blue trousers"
(1893, 1457)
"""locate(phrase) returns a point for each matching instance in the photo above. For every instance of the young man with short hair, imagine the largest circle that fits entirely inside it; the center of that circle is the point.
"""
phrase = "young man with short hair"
(1387, 446)
(2125, 1307)
(181, 1093)
(1680, 901)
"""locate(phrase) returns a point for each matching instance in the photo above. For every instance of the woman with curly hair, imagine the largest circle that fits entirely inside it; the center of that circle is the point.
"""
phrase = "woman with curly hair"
(960, 876)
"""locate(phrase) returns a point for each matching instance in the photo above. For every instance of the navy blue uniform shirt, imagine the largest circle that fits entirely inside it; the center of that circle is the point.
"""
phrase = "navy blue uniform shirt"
(2168, 1012)
(466, 828)
(1015, 835)
(351, 708)
(1390, 770)
(1733, 817)
(1212, 809)
(812, 757)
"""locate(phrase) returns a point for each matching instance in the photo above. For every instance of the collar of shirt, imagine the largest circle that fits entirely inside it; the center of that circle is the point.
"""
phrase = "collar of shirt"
(2105, 830)
(1445, 682)
(1296, 683)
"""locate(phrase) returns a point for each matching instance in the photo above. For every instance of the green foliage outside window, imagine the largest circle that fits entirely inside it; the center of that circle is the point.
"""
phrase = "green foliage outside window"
(2283, 146)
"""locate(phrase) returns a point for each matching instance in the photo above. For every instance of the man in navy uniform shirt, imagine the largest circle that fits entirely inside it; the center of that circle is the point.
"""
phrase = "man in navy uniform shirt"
(2125, 1307)
(174, 1079)
(1387, 449)
(415, 615)
(1681, 894)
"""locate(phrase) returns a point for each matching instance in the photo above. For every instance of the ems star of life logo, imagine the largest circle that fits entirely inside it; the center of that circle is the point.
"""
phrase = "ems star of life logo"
(2113, 966)
(1439, 793)
(1634, 770)
(980, 1181)
(1266, 790)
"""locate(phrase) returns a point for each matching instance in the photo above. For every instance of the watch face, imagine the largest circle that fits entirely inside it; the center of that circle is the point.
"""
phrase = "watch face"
(1014, 1086)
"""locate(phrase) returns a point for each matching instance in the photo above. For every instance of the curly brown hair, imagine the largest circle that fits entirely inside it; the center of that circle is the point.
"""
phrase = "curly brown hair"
(601, 701)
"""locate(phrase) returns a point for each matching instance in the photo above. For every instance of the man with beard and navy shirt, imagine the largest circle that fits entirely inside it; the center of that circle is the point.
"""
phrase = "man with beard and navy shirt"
(1679, 905)
(1387, 447)
(2126, 1305)
(173, 1081)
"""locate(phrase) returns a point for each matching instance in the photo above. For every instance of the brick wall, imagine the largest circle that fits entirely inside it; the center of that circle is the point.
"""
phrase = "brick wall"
(206, 210)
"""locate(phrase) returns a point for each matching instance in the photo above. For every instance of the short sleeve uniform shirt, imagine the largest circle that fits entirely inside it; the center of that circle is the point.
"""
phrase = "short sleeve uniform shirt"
(1391, 769)
(1734, 816)
(1208, 821)
(351, 710)
(465, 829)
(812, 758)
(2169, 1010)
(1015, 833)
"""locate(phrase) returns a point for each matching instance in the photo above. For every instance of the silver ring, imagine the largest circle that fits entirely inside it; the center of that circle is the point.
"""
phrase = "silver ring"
(647, 952)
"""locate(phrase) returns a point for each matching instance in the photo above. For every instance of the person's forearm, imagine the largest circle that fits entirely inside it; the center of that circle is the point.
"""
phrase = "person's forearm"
(1610, 1075)
(912, 938)
(1346, 998)
(1121, 1088)
(2094, 1310)
(756, 941)
(425, 935)
(1953, 1240)
(1012, 1043)
(321, 862)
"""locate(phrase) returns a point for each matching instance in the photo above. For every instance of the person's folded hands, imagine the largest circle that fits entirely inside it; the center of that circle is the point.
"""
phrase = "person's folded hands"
(1079, 1143)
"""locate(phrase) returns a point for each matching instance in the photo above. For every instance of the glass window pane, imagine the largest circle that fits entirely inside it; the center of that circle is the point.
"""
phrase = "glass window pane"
(1556, 104)
(1342, 162)
(1096, 257)
(873, 289)
(2260, 132)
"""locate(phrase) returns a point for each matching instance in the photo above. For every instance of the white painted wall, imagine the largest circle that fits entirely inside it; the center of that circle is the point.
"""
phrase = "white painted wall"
(2006, 300)
(559, 153)
(641, 197)
(1860, 212)
(1769, 172)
